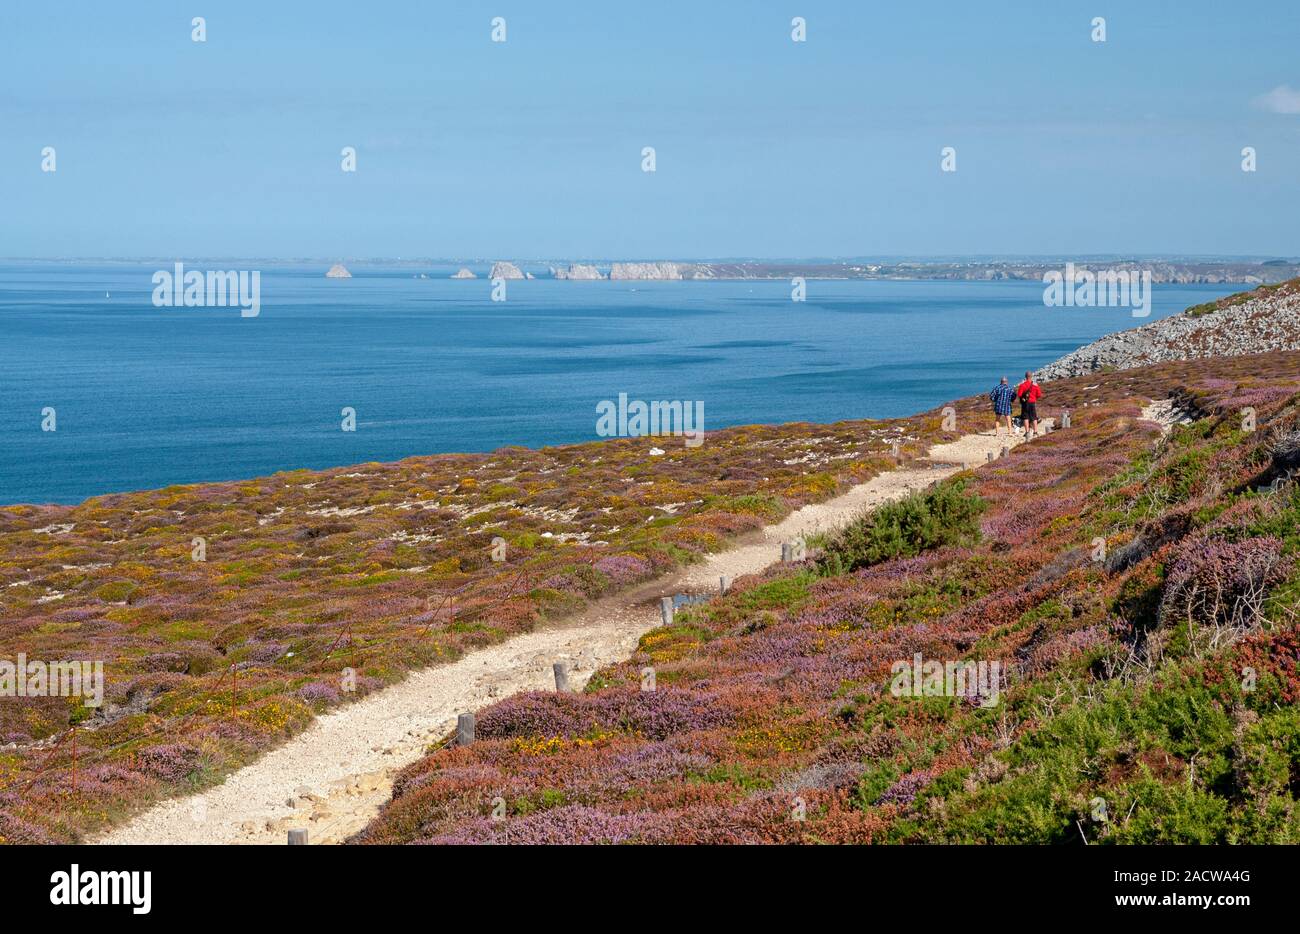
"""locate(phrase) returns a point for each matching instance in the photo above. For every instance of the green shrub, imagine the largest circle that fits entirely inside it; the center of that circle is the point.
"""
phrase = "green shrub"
(942, 515)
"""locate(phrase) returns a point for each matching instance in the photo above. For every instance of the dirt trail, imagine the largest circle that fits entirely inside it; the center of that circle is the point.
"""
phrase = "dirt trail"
(333, 777)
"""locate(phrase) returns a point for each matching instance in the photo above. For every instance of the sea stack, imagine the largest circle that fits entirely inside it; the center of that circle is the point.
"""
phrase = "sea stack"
(578, 271)
(338, 271)
(504, 270)
(463, 273)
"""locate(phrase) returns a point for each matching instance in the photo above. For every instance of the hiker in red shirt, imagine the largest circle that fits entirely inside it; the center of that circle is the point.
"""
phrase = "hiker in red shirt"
(1029, 392)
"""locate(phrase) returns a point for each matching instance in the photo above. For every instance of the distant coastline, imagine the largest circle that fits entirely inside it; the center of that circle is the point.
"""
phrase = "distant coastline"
(1163, 269)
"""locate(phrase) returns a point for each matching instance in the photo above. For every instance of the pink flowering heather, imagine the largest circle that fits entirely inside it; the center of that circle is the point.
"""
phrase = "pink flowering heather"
(653, 714)
(624, 569)
(570, 824)
(169, 762)
(1217, 582)
(318, 692)
(904, 791)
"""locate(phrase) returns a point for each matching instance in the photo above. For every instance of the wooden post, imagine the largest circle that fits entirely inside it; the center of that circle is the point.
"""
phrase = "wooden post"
(561, 670)
(1065, 418)
(465, 729)
(724, 584)
(666, 610)
(298, 837)
(991, 456)
(1006, 451)
(787, 552)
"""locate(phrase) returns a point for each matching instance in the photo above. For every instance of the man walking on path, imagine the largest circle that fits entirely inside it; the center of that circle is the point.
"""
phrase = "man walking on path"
(1029, 392)
(1002, 397)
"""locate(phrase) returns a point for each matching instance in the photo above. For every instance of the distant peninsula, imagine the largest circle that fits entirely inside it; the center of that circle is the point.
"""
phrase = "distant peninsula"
(1163, 270)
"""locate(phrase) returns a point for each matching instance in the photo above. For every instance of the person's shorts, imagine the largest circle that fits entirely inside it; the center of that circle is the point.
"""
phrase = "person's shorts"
(1001, 410)
(1029, 411)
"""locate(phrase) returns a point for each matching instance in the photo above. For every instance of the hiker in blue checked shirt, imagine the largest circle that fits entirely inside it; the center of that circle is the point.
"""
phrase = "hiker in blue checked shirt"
(1002, 398)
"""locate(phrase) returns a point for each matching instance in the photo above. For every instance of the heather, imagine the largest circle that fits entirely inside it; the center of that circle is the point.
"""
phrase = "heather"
(1137, 588)
(228, 615)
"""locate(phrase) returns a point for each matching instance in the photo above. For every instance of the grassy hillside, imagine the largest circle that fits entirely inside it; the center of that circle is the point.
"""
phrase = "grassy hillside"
(380, 569)
(1139, 592)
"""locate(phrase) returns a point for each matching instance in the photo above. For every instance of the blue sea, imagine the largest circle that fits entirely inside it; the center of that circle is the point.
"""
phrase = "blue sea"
(147, 397)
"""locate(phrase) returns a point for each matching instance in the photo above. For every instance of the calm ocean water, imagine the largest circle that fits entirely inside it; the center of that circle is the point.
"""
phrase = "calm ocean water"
(147, 397)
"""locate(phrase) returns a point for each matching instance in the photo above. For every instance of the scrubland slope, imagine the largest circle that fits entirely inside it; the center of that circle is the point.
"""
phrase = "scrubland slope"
(1138, 588)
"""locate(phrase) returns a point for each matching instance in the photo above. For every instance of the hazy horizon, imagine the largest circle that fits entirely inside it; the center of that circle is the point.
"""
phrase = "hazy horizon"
(600, 259)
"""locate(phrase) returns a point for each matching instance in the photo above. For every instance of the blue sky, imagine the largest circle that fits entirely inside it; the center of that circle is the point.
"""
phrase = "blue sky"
(532, 148)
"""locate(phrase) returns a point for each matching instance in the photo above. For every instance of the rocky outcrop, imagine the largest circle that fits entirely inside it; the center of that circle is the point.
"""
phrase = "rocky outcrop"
(577, 271)
(338, 271)
(1246, 323)
(503, 270)
(463, 273)
(659, 271)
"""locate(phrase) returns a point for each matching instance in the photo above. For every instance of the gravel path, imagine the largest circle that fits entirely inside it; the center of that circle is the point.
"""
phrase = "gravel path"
(334, 776)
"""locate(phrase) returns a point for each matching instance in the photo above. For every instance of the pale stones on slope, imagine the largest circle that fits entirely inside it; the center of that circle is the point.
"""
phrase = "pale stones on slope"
(1260, 324)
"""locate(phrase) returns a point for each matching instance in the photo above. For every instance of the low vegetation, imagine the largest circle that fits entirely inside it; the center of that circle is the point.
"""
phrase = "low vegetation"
(945, 514)
(1137, 588)
(229, 615)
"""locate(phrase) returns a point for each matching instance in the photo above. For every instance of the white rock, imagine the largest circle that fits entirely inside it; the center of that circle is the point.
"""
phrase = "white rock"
(504, 270)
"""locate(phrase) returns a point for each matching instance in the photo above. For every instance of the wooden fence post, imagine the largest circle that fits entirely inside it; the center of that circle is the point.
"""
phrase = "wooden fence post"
(465, 729)
(561, 670)
(666, 610)
(298, 837)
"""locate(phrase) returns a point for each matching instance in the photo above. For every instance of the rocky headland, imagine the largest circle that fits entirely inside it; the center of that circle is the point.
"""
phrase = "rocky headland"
(1267, 318)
